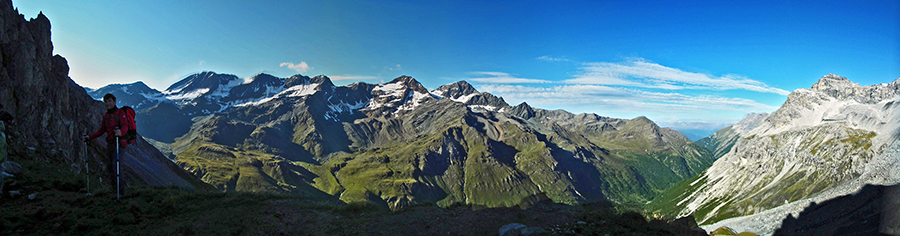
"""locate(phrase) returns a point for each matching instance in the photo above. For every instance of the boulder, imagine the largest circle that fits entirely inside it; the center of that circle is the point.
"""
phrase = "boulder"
(11, 167)
(528, 231)
(511, 229)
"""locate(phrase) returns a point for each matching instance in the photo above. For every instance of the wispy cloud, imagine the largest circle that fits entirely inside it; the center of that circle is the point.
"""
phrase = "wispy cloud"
(352, 77)
(299, 68)
(645, 74)
(695, 124)
(633, 88)
(622, 99)
(551, 59)
(396, 67)
(502, 78)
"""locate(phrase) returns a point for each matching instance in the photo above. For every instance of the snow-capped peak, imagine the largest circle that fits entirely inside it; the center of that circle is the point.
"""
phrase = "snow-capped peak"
(460, 91)
(397, 93)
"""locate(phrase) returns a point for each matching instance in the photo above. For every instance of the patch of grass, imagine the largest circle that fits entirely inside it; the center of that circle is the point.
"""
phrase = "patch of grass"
(666, 203)
(860, 138)
(703, 213)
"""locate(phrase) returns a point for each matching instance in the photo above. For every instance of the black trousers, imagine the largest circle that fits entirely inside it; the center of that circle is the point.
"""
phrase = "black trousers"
(111, 167)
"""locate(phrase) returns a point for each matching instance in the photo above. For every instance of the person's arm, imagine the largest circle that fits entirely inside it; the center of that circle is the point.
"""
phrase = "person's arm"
(123, 129)
(98, 133)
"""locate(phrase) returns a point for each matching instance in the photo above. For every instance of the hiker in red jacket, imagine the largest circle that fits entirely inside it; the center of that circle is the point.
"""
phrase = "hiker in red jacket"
(114, 125)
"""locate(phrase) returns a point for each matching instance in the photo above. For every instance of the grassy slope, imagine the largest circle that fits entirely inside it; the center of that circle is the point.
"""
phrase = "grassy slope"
(501, 163)
(62, 208)
(485, 176)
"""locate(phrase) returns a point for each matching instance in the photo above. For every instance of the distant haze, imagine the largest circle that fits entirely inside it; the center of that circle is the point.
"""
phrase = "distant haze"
(696, 130)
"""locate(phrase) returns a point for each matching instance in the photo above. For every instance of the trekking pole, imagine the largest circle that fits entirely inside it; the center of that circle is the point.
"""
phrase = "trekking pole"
(87, 170)
(118, 184)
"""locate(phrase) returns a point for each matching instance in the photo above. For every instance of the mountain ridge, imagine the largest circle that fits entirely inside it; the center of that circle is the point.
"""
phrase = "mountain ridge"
(445, 146)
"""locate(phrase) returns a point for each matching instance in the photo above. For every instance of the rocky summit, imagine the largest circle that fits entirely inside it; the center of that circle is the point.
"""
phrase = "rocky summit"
(823, 142)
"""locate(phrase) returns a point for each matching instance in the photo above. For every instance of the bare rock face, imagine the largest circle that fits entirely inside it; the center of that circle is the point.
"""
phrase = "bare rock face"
(841, 88)
(35, 87)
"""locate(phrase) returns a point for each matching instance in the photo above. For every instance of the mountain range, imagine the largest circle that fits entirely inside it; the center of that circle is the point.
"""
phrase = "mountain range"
(398, 143)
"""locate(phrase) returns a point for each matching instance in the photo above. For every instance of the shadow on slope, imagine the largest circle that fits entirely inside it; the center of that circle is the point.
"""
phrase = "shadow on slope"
(873, 210)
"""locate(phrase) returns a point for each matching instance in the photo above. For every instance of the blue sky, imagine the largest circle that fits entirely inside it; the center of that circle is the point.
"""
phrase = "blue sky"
(702, 61)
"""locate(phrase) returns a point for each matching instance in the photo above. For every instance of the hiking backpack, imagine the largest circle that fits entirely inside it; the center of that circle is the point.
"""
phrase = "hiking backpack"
(131, 135)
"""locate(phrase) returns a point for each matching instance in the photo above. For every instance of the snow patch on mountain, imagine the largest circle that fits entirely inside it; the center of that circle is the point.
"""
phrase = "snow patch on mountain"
(482, 107)
(301, 90)
(125, 89)
(439, 94)
(189, 95)
(294, 91)
(464, 98)
(392, 89)
(347, 107)
(342, 107)
(249, 80)
(389, 95)
(415, 99)
(225, 89)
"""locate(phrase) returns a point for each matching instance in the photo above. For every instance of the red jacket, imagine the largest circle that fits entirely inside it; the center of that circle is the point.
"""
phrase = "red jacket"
(111, 120)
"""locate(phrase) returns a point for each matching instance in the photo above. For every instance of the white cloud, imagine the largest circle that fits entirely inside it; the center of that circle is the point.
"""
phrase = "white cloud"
(641, 73)
(551, 59)
(502, 78)
(352, 77)
(678, 124)
(299, 68)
